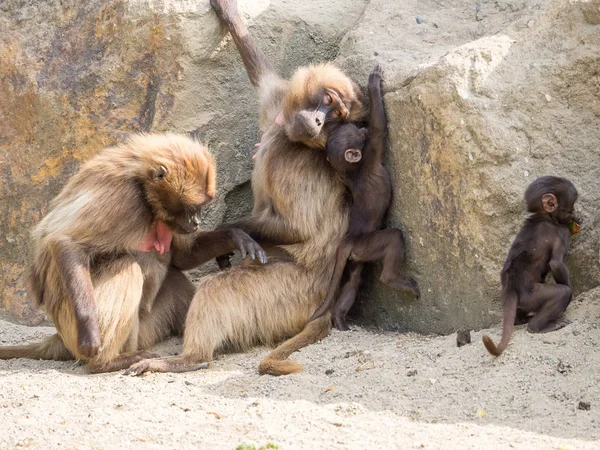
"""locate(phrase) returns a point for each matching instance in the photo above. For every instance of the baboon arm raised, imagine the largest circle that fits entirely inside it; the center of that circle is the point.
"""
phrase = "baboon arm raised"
(208, 245)
(377, 120)
(73, 266)
(254, 59)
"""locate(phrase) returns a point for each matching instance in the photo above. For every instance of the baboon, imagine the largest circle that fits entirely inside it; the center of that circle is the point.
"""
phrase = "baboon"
(300, 206)
(540, 247)
(108, 254)
(356, 153)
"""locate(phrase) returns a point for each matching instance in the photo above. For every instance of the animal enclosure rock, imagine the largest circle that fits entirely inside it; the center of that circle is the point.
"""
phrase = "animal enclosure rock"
(479, 104)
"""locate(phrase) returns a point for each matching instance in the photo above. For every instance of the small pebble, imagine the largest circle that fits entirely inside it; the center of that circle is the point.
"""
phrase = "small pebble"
(419, 20)
(463, 337)
(584, 406)
(329, 371)
(412, 373)
(375, 54)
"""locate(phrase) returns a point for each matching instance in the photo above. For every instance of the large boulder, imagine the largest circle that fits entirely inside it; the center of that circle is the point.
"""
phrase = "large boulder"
(474, 117)
(481, 99)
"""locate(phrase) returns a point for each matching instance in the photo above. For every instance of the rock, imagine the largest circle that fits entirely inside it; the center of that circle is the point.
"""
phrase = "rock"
(585, 406)
(463, 337)
(412, 373)
(467, 119)
(470, 124)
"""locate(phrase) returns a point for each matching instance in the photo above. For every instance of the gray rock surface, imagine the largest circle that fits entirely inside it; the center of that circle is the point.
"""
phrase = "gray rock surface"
(480, 101)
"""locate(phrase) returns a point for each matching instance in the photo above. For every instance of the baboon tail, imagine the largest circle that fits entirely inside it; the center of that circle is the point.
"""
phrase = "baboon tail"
(510, 312)
(51, 347)
(276, 362)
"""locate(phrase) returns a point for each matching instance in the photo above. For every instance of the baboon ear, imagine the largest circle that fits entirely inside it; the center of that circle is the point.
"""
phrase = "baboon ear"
(549, 203)
(353, 155)
(159, 173)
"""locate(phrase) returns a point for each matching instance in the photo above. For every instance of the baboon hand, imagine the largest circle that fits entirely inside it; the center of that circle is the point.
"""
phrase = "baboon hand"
(248, 246)
(226, 10)
(375, 77)
(88, 343)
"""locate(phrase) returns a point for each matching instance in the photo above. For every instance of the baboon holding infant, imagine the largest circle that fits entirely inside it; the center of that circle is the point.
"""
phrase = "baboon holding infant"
(109, 252)
(300, 207)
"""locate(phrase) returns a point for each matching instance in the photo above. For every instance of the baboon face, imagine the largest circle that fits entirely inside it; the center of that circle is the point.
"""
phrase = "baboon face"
(320, 99)
(555, 197)
(178, 197)
(345, 146)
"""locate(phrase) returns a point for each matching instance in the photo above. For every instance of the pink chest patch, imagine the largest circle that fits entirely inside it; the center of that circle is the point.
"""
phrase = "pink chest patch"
(158, 238)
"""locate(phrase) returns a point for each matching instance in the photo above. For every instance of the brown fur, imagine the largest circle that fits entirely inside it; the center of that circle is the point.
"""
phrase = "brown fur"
(110, 301)
(540, 248)
(356, 154)
(299, 205)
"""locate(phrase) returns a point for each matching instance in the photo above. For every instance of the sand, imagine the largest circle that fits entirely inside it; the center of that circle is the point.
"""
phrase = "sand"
(362, 389)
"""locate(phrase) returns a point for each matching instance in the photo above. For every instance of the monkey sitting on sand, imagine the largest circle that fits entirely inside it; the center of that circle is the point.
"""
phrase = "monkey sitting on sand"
(108, 254)
(540, 247)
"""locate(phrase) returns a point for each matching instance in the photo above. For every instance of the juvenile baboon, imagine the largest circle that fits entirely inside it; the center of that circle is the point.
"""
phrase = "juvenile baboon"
(102, 254)
(356, 153)
(540, 247)
(300, 206)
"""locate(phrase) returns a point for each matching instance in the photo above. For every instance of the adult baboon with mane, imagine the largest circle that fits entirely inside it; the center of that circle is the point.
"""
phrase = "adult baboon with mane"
(108, 254)
(300, 206)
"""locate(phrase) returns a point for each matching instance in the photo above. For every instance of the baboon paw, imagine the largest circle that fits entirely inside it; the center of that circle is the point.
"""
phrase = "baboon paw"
(137, 368)
(414, 288)
(376, 76)
(89, 345)
(340, 324)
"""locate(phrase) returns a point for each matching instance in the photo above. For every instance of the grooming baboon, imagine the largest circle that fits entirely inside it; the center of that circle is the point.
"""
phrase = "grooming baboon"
(101, 266)
(540, 247)
(299, 206)
(356, 153)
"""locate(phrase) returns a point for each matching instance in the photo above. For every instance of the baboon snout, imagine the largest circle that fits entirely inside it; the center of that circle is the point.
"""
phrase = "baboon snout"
(309, 123)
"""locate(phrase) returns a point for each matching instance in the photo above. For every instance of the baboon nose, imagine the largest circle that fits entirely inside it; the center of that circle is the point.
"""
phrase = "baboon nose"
(318, 121)
(195, 221)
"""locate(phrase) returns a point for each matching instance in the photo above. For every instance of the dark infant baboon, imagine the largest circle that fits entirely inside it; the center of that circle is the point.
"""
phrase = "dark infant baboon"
(299, 207)
(108, 254)
(540, 247)
(356, 153)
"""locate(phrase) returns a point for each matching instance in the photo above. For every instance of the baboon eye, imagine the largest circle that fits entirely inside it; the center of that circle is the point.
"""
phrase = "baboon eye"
(160, 172)
(337, 113)
(327, 100)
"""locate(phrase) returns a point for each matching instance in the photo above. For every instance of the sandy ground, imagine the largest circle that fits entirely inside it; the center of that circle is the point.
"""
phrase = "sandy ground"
(361, 390)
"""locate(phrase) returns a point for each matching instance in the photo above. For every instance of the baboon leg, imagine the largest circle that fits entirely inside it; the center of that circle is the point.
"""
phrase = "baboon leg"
(118, 286)
(549, 302)
(389, 247)
(51, 347)
(242, 307)
(347, 296)
(167, 317)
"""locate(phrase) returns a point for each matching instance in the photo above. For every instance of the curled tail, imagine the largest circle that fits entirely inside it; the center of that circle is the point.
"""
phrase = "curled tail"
(51, 347)
(342, 255)
(276, 362)
(511, 300)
